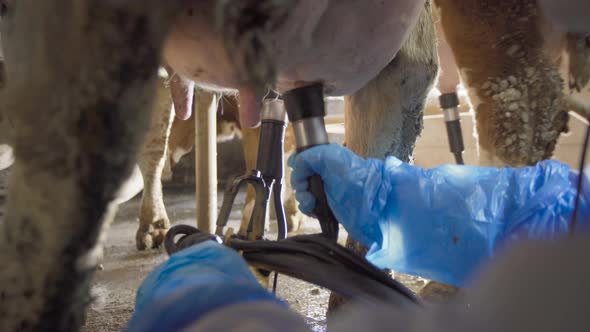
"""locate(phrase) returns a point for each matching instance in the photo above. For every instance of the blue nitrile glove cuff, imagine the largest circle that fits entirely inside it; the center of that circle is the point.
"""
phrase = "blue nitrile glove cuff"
(443, 223)
(192, 283)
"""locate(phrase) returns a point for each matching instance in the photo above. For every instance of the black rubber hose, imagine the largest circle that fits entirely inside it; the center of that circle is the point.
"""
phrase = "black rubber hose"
(312, 258)
(333, 277)
(449, 102)
(170, 241)
(189, 236)
(456, 140)
(328, 222)
(319, 250)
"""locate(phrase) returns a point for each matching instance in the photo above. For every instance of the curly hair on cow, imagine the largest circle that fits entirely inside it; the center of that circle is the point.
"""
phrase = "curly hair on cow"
(246, 26)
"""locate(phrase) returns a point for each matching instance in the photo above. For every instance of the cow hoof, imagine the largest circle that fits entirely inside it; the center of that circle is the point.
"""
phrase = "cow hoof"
(294, 222)
(151, 236)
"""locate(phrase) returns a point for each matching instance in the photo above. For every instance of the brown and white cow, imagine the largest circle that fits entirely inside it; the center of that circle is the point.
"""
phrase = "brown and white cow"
(509, 58)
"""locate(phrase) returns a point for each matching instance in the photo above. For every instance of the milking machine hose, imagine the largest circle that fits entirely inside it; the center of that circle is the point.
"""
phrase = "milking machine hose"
(312, 258)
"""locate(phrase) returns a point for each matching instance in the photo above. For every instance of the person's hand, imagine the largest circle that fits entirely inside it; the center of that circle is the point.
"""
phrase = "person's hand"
(191, 283)
(354, 188)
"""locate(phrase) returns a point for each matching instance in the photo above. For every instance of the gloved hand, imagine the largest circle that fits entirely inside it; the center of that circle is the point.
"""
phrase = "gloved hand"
(352, 185)
(192, 283)
(440, 223)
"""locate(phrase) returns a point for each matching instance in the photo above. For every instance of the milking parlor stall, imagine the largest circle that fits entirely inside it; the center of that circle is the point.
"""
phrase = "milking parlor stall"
(134, 132)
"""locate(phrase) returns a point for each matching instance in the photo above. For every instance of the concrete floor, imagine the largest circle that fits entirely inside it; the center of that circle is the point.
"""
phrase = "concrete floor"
(124, 268)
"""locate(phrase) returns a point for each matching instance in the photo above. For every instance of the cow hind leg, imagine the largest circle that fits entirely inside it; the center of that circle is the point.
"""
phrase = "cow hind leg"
(294, 217)
(385, 117)
(153, 219)
(72, 156)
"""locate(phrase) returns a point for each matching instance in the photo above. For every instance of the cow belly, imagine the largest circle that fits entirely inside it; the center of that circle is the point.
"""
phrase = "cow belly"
(342, 43)
(352, 42)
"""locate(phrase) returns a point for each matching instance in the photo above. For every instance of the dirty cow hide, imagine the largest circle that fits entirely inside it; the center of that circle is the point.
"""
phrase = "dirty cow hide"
(69, 109)
(509, 57)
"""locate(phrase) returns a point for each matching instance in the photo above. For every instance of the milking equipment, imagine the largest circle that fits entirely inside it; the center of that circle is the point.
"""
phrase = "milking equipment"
(306, 110)
(267, 178)
(315, 258)
(449, 103)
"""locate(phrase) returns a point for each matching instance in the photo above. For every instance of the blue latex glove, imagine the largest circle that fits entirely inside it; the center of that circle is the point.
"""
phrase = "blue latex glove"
(192, 283)
(353, 187)
(440, 223)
